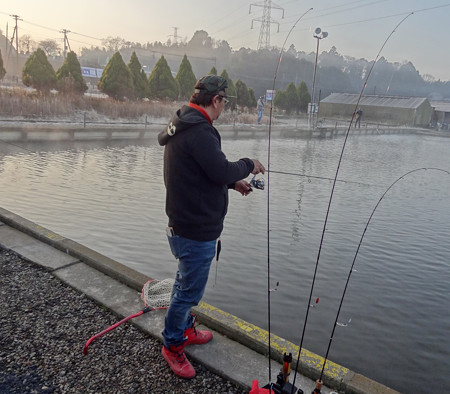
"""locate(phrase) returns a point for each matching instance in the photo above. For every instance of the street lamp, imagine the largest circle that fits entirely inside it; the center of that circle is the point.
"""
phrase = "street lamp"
(318, 34)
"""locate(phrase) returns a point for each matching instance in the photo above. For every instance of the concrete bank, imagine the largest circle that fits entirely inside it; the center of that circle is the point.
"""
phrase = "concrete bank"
(242, 346)
(47, 132)
(60, 133)
(57, 132)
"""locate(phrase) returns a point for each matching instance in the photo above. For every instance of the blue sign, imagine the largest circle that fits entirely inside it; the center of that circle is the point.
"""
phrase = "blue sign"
(270, 94)
(91, 72)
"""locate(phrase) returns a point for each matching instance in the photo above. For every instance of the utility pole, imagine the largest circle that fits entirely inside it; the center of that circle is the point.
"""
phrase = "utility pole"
(66, 41)
(266, 20)
(6, 43)
(318, 35)
(16, 35)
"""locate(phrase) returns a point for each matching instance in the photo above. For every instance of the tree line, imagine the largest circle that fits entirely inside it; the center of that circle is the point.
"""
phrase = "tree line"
(128, 81)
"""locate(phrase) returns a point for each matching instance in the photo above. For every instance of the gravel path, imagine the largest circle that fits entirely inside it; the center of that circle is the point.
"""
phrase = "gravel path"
(44, 326)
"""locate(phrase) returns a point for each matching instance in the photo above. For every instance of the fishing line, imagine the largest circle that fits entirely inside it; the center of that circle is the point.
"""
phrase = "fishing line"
(356, 255)
(273, 171)
(268, 192)
(17, 146)
(321, 178)
(332, 194)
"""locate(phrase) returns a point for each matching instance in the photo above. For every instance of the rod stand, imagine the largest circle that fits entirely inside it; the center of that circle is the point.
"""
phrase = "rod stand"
(282, 386)
(319, 384)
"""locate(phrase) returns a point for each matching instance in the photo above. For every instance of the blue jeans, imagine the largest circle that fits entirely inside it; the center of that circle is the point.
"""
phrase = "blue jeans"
(194, 262)
(260, 114)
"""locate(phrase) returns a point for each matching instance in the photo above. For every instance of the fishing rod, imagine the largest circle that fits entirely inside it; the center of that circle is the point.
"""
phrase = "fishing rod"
(283, 378)
(271, 385)
(319, 382)
(356, 255)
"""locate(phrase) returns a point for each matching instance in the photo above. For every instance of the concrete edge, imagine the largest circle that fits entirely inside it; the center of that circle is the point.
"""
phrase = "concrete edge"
(256, 338)
(335, 376)
(102, 263)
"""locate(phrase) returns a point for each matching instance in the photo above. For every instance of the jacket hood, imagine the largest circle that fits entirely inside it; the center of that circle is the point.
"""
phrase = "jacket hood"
(183, 119)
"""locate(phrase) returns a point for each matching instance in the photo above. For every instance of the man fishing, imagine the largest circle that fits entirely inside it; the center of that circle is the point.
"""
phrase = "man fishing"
(197, 176)
(260, 108)
(358, 116)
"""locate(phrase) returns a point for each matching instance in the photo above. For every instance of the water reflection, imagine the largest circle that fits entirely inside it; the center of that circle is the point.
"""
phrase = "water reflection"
(110, 197)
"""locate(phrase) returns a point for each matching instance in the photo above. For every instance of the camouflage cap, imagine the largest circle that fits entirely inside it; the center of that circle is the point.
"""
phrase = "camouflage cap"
(212, 84)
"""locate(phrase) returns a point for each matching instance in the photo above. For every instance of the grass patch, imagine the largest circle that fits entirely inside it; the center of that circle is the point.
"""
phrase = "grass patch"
(17, 102)
(20, 103)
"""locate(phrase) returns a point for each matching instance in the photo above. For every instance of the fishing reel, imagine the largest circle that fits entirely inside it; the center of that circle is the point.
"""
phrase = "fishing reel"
(257, 183)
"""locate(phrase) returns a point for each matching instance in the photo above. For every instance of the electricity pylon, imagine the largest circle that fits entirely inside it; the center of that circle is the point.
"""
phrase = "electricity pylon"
(266, 20)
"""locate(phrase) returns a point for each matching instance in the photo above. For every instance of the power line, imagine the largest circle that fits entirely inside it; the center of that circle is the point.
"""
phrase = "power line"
(42, 27)
(224, 18)
(265, 27)
(84, 35)
(328, 12)
(377, 18)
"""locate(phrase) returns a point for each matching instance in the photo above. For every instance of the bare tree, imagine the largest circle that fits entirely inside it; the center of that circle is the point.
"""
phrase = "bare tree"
(26, 44)
(50, 47)
(429, 78)
(113, 43)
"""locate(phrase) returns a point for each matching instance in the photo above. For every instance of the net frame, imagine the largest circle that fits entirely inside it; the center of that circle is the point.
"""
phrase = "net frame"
(156, 294)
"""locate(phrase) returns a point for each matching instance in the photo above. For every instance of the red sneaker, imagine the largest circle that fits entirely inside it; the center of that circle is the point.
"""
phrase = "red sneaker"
(178, 362)
(196, 337)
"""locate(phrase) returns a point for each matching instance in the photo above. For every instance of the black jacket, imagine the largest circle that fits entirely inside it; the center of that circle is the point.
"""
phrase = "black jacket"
(197, 175)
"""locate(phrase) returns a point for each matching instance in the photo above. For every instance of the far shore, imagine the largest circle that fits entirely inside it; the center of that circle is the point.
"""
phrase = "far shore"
(78, 121)
(43, 130)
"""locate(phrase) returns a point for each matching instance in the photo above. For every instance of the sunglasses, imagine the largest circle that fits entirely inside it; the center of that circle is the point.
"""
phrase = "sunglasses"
(224, 98)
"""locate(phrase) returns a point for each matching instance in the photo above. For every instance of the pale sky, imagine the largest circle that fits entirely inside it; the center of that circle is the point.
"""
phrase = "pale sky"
(355, 28)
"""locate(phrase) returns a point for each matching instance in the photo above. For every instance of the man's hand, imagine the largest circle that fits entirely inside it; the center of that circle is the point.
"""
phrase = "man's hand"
(259, 168)
(243, 187)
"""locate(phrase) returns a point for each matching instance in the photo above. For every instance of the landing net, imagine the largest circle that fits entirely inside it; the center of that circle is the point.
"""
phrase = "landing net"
(156, 294)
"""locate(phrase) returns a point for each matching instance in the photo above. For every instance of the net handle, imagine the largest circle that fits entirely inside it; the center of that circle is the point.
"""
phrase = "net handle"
(145, 310)
(92, 339)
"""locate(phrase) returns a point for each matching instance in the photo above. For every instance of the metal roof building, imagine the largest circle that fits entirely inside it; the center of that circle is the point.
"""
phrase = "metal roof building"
(392, 110)
(442, 113)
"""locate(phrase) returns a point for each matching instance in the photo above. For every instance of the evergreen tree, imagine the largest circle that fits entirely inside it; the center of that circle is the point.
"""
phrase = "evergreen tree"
(252, 98)
(38, 72)
(2, 69)
(280, 99)
(304, 96)
(144, 77)
(292, 99)
(186, 79)
(213, 71)
(116, 80)
(69, 77)
(138, 75)
(231, 91)
(161, 83)
(243, 98)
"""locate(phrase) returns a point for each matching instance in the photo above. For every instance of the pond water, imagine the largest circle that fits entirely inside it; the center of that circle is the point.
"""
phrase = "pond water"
(109, 196)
